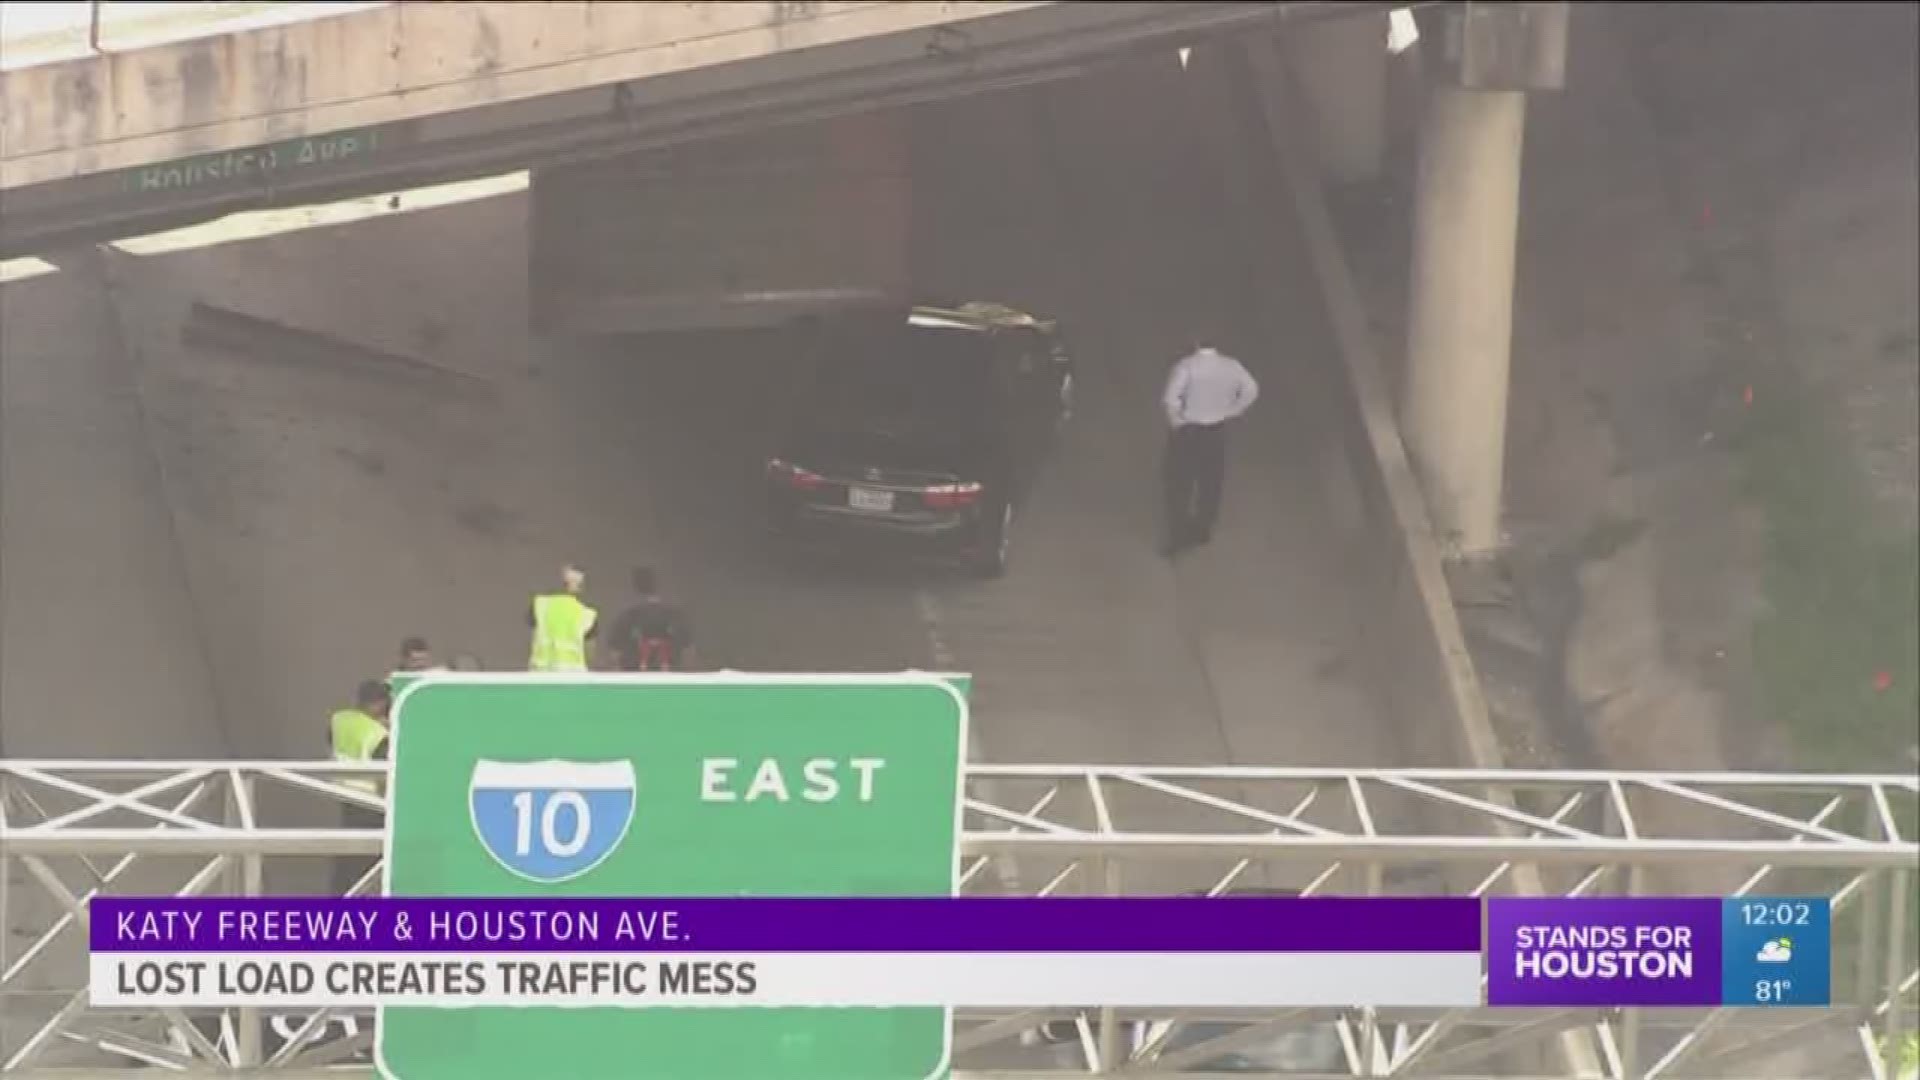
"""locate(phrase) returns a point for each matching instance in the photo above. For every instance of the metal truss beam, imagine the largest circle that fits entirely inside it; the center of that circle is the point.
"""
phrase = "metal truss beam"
(70, 830)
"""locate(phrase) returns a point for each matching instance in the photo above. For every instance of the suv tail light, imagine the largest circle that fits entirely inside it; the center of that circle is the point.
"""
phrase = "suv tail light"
(950, 496)
(793, 475)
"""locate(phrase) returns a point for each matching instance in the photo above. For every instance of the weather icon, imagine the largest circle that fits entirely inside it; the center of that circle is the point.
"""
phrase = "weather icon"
(1777, 951)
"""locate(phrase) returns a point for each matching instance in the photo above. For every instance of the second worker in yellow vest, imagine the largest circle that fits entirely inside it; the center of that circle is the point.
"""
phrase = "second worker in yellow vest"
(562, 625)
(361, 735)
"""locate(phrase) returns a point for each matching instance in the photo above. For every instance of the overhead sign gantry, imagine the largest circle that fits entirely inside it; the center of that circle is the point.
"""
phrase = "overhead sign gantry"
(197, 827)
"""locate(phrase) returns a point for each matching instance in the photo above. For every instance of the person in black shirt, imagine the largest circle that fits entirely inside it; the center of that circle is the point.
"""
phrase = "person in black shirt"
(653, 634)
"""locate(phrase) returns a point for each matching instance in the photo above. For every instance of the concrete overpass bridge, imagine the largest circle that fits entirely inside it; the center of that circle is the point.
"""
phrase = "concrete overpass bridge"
(328, 107)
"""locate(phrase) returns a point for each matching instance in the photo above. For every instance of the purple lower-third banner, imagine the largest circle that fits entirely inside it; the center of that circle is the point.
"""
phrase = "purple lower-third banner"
(1136, 925)
(640, 953)
(1603, 952)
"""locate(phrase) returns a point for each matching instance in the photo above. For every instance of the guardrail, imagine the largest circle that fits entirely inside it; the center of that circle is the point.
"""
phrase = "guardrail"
(72, 830)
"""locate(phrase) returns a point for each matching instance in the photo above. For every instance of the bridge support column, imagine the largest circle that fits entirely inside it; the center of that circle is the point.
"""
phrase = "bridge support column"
(1342, 67)
(1466, 224)
(1466, 221)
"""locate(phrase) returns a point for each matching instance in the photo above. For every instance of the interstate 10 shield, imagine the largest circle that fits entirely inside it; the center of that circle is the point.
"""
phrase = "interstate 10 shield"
(662, 786)
(550, 821)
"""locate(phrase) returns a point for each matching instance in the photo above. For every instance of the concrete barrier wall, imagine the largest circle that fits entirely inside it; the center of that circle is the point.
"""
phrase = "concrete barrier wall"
(335, 281)
(1432, 687)
(97, 618)
(1414, 633)
(1409, 637)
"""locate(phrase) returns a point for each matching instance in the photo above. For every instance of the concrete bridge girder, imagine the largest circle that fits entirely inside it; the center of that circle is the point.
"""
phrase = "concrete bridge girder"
(407, 62)
(401, 61)
(105, 167)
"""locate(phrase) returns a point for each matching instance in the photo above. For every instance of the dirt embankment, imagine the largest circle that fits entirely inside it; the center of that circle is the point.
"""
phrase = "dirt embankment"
(1714, 354)
(1789, 139)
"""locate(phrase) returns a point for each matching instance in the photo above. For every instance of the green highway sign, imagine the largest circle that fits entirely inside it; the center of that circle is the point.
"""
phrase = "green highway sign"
(723, 784)
(400, 680)
(255, 163)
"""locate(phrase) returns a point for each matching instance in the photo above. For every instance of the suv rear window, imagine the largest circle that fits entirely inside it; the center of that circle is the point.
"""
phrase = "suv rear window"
(937, 381)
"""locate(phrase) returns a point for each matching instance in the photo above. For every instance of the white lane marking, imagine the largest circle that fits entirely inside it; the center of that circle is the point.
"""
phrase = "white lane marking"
(928, 608)
(929, 611)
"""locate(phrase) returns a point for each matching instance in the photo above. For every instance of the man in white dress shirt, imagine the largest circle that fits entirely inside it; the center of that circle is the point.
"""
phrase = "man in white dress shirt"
(1205, 390)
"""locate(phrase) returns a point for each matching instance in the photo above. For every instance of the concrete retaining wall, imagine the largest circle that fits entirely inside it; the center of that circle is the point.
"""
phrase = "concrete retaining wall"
(1410, 638)
(344, 281)
(1426, 671)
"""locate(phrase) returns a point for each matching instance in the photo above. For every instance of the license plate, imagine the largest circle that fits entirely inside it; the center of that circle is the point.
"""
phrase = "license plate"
(868, 499)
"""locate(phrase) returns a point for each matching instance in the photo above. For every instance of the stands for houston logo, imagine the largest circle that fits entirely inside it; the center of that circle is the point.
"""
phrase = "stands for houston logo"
(1603, 952)
(1658, 951)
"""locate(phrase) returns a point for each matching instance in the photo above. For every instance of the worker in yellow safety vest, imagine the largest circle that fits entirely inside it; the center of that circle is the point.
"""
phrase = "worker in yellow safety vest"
(360, 734)
(562, 625)
(1906, 1063)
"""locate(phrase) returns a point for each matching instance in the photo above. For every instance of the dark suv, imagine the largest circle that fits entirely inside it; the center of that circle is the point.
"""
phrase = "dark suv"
(919, 427)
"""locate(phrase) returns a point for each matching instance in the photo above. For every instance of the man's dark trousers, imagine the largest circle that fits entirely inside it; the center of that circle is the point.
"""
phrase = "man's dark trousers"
(1196, 469)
